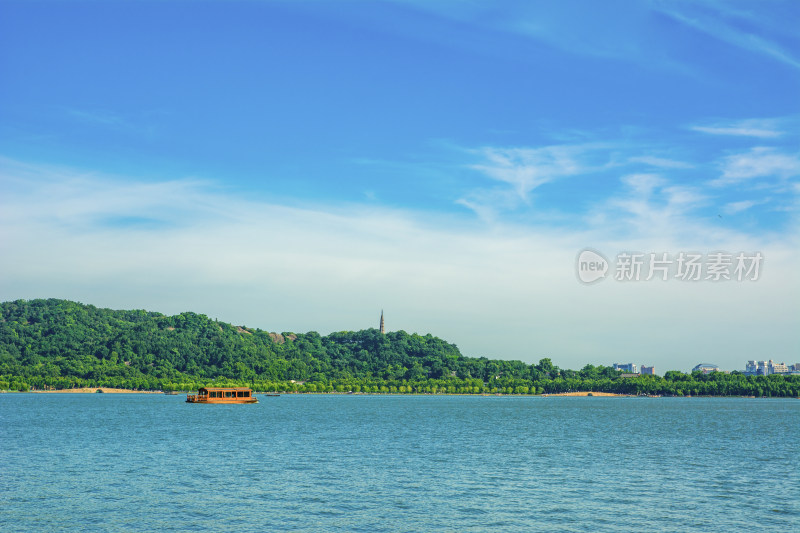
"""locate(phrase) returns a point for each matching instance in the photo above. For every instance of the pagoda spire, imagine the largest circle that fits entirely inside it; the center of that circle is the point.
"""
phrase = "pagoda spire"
(383, 330)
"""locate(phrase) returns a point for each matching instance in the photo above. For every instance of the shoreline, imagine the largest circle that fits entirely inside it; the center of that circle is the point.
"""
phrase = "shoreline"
(93, 390)
(592, 393)
(109, 390)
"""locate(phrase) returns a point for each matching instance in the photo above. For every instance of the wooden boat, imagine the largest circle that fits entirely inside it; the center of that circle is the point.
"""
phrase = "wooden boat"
(222, 395)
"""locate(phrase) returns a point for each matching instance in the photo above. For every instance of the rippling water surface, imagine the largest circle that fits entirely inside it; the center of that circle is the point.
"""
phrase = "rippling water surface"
(114, 462)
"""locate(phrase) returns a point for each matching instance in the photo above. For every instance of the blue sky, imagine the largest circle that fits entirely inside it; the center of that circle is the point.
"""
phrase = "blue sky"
(298, 166)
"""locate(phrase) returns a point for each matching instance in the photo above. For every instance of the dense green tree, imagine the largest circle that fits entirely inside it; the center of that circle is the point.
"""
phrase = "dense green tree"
(63, 344)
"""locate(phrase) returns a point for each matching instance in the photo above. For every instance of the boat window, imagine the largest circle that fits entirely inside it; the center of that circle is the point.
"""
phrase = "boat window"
(227, 394)
(240, 394)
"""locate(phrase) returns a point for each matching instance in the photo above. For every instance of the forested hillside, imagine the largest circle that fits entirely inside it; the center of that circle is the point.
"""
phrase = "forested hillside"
(63, 344)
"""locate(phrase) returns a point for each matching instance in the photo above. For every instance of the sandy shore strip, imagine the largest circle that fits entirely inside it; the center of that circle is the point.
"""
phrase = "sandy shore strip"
(608, 394)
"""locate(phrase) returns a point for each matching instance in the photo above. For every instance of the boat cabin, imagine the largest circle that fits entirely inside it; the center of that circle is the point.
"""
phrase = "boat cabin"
(222, 395)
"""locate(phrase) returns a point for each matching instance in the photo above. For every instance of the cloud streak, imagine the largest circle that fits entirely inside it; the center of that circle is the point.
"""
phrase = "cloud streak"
(632, 33)
(660, 162)
(665, 209)
(758, 162)
(714, 24)
(764, 129)
(525, 169)
(737, 207)
(521, 171)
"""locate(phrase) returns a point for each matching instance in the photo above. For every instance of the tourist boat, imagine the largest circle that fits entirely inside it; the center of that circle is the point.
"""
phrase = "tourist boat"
(222, 395)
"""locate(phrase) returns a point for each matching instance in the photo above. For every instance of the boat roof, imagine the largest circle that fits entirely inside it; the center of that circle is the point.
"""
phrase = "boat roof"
(223, 388)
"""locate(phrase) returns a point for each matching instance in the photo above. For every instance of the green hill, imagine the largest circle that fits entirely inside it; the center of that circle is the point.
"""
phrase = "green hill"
(68, 343)
(64, 344)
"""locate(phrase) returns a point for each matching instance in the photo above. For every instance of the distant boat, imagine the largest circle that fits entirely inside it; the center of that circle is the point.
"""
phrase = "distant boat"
(222, 395)
(171, 392)
(271, 394)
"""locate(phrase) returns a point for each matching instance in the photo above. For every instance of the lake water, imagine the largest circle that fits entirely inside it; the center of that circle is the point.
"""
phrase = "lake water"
(127, 462)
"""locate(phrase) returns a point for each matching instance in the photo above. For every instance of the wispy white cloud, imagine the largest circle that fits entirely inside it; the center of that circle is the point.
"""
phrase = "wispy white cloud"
(758, 162)
(525, 169)
(488, 204)
(595, 32)
(520, 171)
(682, 198)
(144, 124)
(749, 132)
(719, 21)
(661, 199)
(732, 208)
(643, 184)
(628, 31)
(104, 117)
(762, 128)
(650, 204)
(660, 162)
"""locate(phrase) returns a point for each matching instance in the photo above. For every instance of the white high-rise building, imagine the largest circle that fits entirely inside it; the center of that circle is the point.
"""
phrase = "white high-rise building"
(766, 368)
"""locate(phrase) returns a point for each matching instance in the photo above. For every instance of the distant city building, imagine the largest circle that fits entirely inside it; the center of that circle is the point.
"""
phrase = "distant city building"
(706, 368)
(766, 368)
(755, 368)
(627, 367)
(779, 368)
(649, 370)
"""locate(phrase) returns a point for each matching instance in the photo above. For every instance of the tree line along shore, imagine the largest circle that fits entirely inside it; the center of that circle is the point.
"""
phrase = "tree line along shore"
(60, 344)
